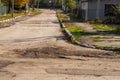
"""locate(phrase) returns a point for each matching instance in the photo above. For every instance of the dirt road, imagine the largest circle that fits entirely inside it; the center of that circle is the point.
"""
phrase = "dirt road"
(36, 49)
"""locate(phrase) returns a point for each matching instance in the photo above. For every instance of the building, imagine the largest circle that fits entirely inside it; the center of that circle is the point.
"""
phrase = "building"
(92, 9)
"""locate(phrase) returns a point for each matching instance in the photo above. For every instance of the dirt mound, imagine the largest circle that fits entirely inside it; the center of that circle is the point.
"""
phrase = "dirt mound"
(60, 52)
(44, 52)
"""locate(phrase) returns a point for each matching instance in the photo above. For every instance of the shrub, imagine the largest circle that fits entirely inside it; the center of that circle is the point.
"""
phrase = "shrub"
(114, 19)
(118, 15)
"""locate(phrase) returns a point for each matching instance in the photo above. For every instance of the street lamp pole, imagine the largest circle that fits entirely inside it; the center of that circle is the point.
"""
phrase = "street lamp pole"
(12, 8)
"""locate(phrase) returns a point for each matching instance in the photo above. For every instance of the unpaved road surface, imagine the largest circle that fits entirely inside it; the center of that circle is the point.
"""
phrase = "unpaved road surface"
(36, 49)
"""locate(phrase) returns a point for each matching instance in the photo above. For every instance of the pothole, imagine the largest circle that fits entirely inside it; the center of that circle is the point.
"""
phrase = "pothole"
(41, 52)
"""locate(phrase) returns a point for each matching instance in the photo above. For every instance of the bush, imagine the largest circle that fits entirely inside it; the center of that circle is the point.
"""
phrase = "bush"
(114, 19)
(118, 15)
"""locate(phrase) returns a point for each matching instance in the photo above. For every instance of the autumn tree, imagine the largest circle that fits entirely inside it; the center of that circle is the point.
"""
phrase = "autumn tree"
(17, 3)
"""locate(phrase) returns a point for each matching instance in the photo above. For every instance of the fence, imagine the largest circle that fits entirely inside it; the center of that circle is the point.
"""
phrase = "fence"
(4, 10)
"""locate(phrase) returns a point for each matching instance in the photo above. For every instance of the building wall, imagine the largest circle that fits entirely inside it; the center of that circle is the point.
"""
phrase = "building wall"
(4, 10)
(92, 7)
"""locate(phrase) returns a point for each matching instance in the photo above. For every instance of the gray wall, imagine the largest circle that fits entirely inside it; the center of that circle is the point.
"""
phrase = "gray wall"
(92, 9)
(3, 9)
(92, 6)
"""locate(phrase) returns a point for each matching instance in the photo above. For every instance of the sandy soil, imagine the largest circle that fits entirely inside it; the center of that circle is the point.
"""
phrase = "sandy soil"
(36, 49)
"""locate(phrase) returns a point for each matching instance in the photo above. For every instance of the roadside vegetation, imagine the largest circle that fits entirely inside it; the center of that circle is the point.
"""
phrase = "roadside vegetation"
(106, 28)
(21, 8)
(36, 12)
(77, 32)
(21, 12)
(102, 27)
(103, 33)
(7, 16)
(62, 16)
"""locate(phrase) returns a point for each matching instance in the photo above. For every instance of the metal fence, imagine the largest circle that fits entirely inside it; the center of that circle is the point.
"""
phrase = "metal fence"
(4, 10)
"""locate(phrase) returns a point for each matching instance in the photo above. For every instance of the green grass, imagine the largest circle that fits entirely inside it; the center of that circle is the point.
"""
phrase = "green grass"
(8, 16)
(62, 16)
(106, 29)
(77, 32)
(117, 48)
(102, 27)
(36, 12)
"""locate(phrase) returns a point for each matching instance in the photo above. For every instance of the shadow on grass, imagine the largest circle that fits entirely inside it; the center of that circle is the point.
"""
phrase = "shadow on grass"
(85, 33)
(113, 32)
(79, 34)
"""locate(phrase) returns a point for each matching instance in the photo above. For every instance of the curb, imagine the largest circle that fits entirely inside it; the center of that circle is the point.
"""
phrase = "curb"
(8, 22)
(11, 19)
(70, 37)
